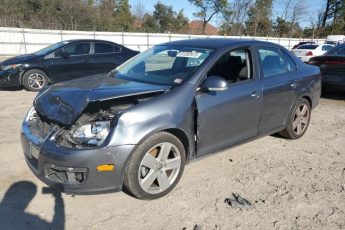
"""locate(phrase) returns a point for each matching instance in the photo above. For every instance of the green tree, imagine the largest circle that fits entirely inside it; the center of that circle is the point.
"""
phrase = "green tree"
(333, 21)
(164, 15)
(106, 15)
(208, 9)
(180, 23)
(259, 22)
(123, 16)
(234, 16)
(150, 24)
(103, 15)
(281, 27)
(165, 19)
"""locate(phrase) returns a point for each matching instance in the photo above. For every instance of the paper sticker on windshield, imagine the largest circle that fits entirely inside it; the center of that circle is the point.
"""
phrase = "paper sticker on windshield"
(189, 54)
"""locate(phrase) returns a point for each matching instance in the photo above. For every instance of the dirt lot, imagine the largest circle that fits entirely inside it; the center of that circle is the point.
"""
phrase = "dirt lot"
(292, 184)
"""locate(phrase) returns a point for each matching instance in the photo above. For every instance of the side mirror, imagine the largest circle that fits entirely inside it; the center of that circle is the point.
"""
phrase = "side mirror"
(215, 83)
(64, 55)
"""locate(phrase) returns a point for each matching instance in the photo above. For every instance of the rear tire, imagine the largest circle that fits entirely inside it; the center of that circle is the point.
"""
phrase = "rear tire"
(298, 120)
(35, 80)
(155, 166)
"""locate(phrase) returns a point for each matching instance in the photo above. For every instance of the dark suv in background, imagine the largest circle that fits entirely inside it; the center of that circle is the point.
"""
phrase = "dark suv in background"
(62, 61)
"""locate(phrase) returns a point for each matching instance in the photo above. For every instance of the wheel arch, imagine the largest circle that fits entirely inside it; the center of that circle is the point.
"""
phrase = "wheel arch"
(308, 98)
(303, 96)
(183, 137)
(178, 133)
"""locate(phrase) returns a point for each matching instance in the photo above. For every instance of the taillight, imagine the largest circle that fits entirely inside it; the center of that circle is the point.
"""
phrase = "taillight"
(309, 53)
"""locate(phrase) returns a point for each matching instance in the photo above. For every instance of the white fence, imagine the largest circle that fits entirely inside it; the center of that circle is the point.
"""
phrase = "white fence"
(15, 41)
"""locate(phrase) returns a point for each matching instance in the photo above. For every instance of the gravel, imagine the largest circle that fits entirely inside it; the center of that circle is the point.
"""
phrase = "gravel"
(291, 184)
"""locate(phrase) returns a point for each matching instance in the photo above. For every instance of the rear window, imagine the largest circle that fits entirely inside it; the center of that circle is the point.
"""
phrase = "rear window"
(272, 62)
(291, 63)
(338, 50)
(326, 47)
(102, 48)
(304, 43)
(308, 47)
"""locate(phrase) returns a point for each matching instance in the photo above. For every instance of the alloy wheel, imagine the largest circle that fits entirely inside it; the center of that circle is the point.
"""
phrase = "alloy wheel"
(301, 119)
(36, 81)
(159, 168)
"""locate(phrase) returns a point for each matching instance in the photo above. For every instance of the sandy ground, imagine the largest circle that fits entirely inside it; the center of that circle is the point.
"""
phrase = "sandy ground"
(291, 184)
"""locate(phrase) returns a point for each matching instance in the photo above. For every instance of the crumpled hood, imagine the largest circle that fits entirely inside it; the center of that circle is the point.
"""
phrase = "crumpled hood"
(18, 59)
(64, 102)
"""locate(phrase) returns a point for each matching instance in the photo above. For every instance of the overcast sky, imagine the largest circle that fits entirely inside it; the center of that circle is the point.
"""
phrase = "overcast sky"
(311, 8)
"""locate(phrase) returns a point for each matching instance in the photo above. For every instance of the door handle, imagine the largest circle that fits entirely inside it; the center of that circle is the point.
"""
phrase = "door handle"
(255, 94)
(293, 85)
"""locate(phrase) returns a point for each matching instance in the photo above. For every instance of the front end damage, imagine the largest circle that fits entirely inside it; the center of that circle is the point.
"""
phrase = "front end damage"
(72, 157)
(91, 129)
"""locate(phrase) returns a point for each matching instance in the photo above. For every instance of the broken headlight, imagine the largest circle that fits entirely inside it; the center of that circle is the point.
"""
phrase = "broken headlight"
(31, 114)
(8, 67)
(91, 134)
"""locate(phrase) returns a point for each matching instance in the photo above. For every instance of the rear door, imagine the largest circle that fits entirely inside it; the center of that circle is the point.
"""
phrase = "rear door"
(227, 117)
(279, 83)
(76, 65)
(104, 57)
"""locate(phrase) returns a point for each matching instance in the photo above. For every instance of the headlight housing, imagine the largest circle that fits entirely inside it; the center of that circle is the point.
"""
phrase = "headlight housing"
(31, 114)
(93, 134)
(7, 67)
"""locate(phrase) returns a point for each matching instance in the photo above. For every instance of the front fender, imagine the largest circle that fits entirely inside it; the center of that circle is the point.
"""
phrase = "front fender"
(172, 110)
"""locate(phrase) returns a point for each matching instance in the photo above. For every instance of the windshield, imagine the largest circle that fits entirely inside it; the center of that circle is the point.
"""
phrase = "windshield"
(50, 48)
(338, 50)
(167, 65)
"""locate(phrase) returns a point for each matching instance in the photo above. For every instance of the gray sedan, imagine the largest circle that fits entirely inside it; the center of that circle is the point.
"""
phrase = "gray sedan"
(136, 127)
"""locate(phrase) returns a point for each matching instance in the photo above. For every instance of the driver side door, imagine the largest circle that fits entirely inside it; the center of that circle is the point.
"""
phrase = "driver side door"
(77, 64)
(229, 116)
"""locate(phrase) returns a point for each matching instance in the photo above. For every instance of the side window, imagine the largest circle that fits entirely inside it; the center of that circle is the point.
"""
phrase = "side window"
(77, 49)
(58, 53)
(272, 62)
(290, 62)
(102, 48)
(117, 49)
(234, 66)
(326, 47)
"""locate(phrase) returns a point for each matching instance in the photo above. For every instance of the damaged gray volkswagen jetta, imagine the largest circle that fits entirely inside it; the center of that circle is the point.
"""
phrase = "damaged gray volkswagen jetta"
(136, 127)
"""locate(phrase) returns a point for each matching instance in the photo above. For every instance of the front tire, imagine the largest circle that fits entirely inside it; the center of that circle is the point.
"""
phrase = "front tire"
(155, 167)
(34, 80)
(298, 120)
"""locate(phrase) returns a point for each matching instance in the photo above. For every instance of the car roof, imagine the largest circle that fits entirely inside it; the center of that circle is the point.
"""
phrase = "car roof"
(88, 40)
(217, 43)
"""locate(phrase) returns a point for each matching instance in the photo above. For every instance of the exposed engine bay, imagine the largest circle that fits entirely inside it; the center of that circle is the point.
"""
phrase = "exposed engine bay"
(92, 127)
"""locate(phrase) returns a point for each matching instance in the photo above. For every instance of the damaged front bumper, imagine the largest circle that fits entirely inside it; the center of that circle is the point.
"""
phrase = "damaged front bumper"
(10, 78)
(74, 170)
